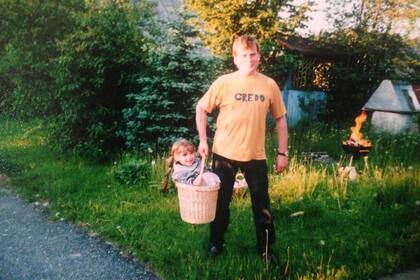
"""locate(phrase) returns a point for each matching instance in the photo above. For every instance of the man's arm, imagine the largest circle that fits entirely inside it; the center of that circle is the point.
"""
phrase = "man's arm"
(201, 122)
(282, 139)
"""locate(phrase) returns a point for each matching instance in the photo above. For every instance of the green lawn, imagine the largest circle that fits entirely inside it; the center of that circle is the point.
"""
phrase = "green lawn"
(327, 227)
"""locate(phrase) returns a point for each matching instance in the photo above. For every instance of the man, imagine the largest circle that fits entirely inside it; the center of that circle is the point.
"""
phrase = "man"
(243, 98)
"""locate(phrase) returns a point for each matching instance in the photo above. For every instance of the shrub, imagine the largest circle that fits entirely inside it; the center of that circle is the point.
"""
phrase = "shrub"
(164, 107)
(368, 57)
(96, 68)
(28, 44)
(131, 170)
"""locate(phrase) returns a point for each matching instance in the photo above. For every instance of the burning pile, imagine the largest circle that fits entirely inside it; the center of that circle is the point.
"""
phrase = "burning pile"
(356, 145)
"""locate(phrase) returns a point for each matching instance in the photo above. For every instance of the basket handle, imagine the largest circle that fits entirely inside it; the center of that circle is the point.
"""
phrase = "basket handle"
(203, 164)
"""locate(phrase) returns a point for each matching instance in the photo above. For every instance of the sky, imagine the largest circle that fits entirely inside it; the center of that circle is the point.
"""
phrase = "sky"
(318, 21)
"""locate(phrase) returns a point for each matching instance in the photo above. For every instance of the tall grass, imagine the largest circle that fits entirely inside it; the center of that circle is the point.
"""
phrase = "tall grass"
(327, 226)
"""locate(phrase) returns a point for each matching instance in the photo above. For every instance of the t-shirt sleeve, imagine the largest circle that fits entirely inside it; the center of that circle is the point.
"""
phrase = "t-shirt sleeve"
(277, 107)
(211, 98)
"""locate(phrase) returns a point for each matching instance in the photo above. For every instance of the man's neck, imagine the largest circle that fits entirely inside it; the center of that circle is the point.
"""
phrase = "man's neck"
(246, 74)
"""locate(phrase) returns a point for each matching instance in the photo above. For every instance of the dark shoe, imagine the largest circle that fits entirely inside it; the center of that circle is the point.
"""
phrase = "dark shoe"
(214, 251)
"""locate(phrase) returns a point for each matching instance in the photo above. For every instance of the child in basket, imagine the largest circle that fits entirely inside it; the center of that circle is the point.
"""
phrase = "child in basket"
(186, 168)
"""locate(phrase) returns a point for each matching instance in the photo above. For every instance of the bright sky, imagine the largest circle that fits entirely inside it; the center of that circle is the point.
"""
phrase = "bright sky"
(318, 21)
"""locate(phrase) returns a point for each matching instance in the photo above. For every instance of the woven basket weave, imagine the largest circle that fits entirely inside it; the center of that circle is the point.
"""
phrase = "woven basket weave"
(197, 204)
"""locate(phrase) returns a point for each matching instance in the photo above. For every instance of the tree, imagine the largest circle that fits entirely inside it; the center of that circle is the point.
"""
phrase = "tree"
(98, 65)
(163, 110)
(368, 33)
(368, 58)
(28, 45)
(394, 16)
(257, 17)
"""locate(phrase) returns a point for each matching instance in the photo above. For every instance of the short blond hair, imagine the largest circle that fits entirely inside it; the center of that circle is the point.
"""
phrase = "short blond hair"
(246, 41)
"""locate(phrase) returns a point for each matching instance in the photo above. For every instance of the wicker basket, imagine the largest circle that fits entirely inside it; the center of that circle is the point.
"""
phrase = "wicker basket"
(197, 204)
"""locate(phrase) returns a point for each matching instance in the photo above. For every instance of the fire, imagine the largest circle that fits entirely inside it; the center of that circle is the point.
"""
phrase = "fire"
(356, 137)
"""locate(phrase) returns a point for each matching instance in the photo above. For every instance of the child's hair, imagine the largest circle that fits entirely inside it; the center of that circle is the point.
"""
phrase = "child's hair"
(176, 146)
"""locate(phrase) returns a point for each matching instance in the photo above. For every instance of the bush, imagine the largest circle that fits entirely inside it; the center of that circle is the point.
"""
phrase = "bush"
(28, 45)
(131, 170)
(368, 57)
(164, 107)
(98, 65)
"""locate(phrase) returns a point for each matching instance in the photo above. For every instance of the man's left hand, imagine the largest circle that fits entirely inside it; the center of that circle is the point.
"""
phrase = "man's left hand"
(281, 163)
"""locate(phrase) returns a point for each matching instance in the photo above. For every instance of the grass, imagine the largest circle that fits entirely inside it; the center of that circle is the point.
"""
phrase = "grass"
(327, 227)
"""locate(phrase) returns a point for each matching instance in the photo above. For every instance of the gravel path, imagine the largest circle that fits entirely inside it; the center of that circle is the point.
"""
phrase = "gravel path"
(34, 247)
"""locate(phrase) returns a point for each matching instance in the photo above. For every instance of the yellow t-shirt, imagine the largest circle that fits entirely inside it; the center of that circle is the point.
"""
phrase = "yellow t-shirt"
(243, 104)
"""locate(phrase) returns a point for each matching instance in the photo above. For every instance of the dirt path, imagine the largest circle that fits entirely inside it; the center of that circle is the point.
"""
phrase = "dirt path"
(34, 247)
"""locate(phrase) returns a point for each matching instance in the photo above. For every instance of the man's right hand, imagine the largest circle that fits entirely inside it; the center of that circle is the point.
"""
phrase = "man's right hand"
(203, 149)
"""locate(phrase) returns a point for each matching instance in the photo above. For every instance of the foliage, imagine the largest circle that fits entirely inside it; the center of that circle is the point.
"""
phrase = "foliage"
(163, 109)
(268, 21)
(132, 170)
(97, 66)
(259, 18)
(367, 58)
(372, 50)
(385, 16)
(277, 62)
(28, 44)
(328, 229)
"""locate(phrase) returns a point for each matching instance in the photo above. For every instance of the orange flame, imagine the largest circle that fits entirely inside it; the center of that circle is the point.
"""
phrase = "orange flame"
(356, 135)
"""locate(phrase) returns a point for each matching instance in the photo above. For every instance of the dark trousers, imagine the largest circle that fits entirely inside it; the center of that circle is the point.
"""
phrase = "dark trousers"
(255, 172)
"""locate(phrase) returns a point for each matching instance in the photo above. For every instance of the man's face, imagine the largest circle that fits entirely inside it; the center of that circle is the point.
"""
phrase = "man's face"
(247, 59)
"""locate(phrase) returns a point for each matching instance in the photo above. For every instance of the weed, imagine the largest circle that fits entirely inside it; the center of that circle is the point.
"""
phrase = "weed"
(132, 170)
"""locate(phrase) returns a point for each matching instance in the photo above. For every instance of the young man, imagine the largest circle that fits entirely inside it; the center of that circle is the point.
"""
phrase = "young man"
(243, 98)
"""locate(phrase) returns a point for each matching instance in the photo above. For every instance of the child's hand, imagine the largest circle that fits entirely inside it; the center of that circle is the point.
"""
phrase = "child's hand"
(198, 181)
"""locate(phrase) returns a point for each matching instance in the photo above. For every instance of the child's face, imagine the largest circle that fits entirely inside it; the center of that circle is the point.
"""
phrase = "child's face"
(185, 157)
